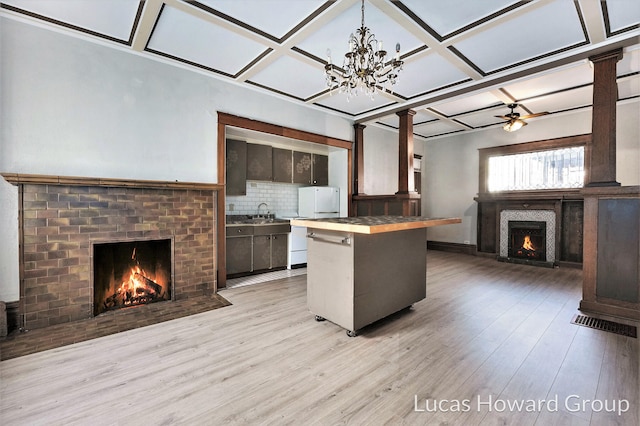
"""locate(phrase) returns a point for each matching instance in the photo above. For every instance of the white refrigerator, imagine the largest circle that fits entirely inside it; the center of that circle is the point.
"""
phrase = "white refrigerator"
(313, 202)
(317, 202)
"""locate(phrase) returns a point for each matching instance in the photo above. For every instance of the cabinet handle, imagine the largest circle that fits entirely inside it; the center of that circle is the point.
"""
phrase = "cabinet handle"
(239, 231)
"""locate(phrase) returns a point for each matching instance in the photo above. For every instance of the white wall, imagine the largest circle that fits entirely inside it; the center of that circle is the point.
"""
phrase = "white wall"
(380, 161)
(450, 165)
(77, 108)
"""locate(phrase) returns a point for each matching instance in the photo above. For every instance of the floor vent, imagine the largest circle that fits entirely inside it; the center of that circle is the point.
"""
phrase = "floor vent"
(604, 325)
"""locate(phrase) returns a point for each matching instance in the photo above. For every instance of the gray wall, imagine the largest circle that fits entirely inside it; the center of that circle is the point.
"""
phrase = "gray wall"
(75, 107)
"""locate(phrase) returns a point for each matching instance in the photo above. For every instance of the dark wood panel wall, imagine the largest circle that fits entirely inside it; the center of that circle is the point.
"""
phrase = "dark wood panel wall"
(568, 211)
(611, 276)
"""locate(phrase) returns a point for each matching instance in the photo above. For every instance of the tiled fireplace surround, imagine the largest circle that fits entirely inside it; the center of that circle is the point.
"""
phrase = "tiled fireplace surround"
(62, 217)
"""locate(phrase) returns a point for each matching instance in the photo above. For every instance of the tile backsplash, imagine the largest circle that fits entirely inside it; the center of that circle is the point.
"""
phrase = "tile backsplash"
(280, 198)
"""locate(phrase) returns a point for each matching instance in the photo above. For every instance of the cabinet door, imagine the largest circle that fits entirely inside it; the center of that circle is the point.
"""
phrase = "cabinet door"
(279, 250)
(259, 162)
(236, 167)
(238, 255)
(302, 167)
(282, 165)
(261, 252)
(320, 169)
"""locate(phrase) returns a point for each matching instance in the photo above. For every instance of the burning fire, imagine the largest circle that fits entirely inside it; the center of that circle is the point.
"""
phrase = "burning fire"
(527, 245)
(137, 287)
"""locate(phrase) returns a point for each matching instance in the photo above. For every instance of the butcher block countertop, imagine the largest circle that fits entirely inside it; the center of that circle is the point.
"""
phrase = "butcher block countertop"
(374, 224)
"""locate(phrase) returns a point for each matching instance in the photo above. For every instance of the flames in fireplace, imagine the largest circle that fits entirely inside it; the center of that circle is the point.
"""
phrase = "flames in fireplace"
(527, 249)
(527, 240)
(138, 287)
(129, 274)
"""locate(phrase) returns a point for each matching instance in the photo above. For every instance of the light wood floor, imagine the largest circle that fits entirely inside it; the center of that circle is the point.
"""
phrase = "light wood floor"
(487, 331)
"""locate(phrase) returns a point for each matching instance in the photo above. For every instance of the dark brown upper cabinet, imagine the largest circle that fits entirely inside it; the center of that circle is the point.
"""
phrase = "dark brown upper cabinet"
(236, 167)
(320, 169)
(282, 165)
(259, 162)
(302, 167)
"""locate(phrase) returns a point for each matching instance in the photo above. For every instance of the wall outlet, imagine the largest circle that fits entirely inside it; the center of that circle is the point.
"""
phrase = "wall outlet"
(231, 207)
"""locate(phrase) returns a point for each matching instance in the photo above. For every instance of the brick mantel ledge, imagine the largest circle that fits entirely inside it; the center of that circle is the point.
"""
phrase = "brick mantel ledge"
(17, 179)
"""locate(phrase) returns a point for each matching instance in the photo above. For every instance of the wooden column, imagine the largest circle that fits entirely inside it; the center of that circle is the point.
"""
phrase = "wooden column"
(406, 184)
(359, 164)
(601, 153)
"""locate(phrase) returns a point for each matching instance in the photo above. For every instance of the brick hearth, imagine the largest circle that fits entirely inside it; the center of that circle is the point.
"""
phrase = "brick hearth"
(60, 222)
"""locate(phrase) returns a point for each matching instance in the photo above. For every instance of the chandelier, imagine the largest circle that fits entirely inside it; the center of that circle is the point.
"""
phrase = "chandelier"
(363, 69)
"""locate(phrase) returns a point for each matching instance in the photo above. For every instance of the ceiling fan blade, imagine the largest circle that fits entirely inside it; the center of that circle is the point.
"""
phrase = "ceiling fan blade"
(524, 123)
(538, 114)
(504, 117)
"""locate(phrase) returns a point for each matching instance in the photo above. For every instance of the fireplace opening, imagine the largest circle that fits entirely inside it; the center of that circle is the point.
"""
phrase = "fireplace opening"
(527, 240)
(131, 273)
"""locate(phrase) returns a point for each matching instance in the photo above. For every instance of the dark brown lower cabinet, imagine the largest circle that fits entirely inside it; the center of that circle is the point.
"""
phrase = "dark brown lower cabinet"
(256, 248)
(279, 250)
(261, 252)
(239, 254)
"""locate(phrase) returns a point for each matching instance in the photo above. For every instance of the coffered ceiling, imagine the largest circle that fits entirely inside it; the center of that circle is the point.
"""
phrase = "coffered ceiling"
(464, 60)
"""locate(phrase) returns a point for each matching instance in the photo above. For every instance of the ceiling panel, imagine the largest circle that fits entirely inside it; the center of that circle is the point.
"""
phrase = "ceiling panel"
(487, 117)
(563, 79)
(303, 86)
(187, 37)
(465, 60)
(622, 13)
(253, 13)
(436, 128)
(417, 76)
(356, 105)
(113, 18)
(558, 102)
(628, 88)
(445, 17)
(468, 103)
(524, 37)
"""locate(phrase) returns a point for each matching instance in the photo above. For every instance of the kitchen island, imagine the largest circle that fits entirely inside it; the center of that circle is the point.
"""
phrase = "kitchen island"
(362, 269)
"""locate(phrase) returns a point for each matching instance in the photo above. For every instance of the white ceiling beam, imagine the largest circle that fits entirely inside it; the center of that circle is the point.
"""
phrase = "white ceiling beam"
(147, 21)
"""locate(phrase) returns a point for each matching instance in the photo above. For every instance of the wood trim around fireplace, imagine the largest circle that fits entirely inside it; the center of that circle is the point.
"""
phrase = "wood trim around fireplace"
(19, 178)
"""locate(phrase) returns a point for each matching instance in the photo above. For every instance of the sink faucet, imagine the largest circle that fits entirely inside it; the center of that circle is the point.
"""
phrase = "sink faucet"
(263, 204)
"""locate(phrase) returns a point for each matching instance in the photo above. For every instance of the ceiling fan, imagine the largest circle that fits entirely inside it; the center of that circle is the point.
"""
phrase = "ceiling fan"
(514, 121)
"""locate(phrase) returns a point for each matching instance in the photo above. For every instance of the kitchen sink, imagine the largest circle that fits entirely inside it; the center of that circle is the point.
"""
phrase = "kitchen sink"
(253, 220)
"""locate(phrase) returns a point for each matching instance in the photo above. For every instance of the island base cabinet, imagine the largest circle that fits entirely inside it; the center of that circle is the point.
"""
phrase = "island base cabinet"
(355, 279)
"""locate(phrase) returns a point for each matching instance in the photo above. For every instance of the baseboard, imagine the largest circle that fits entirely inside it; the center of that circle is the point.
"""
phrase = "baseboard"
(452, 247)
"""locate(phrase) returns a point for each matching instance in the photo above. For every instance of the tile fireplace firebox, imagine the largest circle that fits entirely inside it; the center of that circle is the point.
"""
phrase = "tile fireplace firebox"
(528, 236)
(66, 221)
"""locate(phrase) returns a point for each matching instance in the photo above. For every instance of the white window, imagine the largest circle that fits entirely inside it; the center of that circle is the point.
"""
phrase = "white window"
(551, 169)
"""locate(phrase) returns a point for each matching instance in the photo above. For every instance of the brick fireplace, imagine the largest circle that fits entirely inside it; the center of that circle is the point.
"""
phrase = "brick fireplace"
(62, 219)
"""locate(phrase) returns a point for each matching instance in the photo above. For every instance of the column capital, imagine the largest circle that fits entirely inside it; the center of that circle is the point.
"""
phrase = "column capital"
(606, 56)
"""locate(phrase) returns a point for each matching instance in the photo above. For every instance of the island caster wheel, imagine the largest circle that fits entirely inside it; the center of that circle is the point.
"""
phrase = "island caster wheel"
(319, 318)
(351, 333)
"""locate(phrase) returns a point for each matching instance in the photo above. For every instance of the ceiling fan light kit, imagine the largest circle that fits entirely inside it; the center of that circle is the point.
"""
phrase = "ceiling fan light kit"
(514, 121)
(513, 125)
(364, 69)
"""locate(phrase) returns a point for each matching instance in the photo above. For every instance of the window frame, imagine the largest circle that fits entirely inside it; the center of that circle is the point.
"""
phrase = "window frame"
(521, 148)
